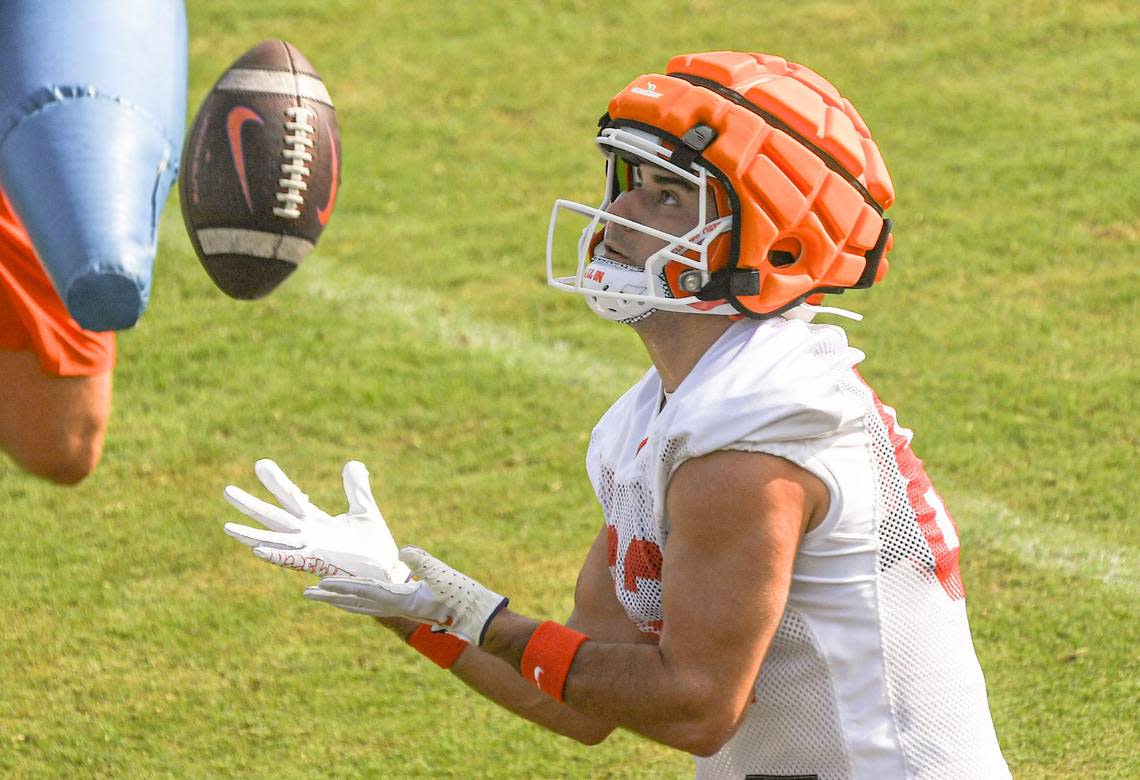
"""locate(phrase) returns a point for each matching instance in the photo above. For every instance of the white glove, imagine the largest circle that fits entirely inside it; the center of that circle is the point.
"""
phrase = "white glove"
(301, 536)
(441, 597)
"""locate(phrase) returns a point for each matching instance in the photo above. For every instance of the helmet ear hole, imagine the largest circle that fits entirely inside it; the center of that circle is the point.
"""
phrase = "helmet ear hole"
(784, 252)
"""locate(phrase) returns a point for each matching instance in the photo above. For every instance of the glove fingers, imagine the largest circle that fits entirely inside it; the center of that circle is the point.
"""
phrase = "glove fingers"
(272, 517)
(358, 490)
(257, 537)
(368, 588)
(416, 558)
(434, 573)
(283, 489)
(347, 603)
(386, 599)
(298, 560)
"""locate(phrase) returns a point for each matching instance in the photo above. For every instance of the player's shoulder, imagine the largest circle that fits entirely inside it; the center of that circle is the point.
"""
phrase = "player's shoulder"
(774, 379)
(774, 357)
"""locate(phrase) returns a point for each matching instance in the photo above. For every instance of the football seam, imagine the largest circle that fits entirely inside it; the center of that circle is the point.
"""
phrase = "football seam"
(291, 196)
(292, 188)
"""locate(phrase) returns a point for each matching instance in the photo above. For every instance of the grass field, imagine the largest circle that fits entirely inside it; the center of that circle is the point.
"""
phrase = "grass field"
(139, 641)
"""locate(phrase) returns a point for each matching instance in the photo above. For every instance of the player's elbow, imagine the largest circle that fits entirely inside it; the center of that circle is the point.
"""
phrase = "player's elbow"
(706, 718)
(706, 736)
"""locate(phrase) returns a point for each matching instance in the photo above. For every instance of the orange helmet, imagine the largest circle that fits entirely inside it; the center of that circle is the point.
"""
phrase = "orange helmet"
(776, 148)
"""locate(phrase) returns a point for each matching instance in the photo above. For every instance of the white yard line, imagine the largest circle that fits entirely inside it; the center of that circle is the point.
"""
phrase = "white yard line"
(1035, 542)
(427, 312)
(1046, 545)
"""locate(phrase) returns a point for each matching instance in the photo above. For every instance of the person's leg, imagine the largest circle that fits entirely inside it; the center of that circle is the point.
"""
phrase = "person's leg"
(55, 377)
(52, 426)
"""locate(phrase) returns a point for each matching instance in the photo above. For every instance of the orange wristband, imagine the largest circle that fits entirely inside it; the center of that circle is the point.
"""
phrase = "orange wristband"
(548, 655)
(442, 649)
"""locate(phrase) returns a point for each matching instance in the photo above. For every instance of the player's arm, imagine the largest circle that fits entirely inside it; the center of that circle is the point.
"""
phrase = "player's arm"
(596, 613)
(358, 544)
(736, 521)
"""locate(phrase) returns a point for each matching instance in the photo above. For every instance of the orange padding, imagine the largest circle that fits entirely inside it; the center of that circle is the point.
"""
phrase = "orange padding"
(34, 319)
(442, 649)
(548, 655)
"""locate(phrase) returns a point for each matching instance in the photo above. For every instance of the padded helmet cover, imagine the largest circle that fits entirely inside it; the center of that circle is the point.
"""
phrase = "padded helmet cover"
(806, 182)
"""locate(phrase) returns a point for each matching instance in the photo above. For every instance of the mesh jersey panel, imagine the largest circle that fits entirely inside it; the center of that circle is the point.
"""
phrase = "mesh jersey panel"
(787, 723)
(935, 683)
(872, 671)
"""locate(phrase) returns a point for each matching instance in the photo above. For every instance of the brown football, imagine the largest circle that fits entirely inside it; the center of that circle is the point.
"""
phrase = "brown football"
(261, 170)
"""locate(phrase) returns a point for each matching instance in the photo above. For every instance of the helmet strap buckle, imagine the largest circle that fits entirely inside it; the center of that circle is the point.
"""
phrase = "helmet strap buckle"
(695, 140)
(730, 283)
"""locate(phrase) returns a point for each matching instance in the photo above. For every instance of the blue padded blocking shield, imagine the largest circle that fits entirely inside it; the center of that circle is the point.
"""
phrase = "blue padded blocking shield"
(92, 113)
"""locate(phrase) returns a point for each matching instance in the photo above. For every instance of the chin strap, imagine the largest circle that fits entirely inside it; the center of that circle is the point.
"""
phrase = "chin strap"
(807, 312)
(605, 275)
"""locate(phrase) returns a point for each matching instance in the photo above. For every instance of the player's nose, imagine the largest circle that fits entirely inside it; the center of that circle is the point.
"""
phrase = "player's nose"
(623, 205)
(626, 207)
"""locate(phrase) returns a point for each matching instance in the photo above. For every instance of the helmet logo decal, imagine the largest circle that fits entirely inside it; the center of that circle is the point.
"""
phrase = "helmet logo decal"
(715, 226)
(649, 91)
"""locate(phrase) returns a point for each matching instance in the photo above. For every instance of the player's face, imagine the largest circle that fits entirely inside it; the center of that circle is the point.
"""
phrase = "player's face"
(658, 199)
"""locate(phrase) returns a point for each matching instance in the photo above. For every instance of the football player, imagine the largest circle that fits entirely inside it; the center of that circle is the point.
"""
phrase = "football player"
(775, 588)
(92, 108)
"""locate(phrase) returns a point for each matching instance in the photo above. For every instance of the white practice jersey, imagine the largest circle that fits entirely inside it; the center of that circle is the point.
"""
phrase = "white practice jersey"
(872, 672)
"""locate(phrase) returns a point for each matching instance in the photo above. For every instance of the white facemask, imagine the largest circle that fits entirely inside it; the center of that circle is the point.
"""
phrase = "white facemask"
(626, 293)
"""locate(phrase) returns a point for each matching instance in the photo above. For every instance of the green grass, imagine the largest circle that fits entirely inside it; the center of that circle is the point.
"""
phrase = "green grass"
(139, 641)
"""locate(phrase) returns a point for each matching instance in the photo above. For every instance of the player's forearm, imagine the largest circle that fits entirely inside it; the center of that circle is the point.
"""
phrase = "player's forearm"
(631, 685)
(498, 681)
(495, 679)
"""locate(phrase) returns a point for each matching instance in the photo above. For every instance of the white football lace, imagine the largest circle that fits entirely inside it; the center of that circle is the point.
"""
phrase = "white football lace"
(295, 158)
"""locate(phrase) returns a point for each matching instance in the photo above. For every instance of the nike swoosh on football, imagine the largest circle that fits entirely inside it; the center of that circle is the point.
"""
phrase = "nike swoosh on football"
(324, 213)
(235, 119)
(537, 674)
